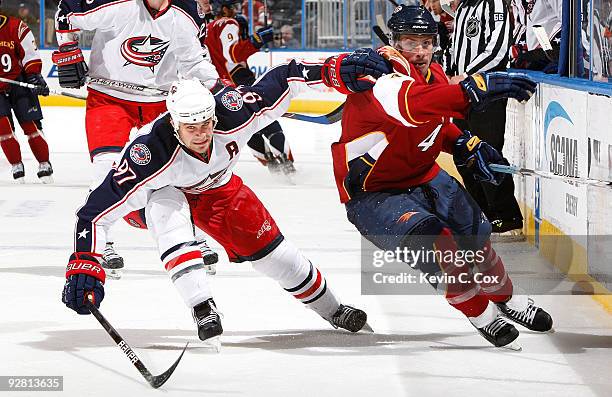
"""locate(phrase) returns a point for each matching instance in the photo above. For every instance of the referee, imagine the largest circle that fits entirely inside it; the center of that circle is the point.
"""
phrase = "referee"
(481, 41)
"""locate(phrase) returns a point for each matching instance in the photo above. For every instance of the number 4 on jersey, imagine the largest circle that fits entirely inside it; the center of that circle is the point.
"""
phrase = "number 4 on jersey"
(429, 141)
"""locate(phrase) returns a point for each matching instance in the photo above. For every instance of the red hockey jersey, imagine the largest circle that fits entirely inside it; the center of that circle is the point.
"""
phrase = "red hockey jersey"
(18, 50)
(225, 46)
(402, 124)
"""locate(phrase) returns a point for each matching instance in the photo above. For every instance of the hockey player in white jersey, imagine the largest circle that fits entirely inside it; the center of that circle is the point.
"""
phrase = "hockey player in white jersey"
(142, 42)
(180, 166)
(527, 52)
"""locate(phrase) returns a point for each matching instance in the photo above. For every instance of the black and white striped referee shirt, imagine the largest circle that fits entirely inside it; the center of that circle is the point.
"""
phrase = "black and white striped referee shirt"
(481, 39)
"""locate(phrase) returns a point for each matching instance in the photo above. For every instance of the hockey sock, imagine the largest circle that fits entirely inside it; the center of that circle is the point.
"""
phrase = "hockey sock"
(258, 148)
(36, 140)
(461, 291)
(493, 279)
(9, 144)
(298, 276)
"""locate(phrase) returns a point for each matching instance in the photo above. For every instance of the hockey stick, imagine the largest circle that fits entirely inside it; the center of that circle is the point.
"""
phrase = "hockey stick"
(544, 41)
(154, 381)
(381, 35)
(329, 118)
(515, 170)
(127, 87)
(51, 91)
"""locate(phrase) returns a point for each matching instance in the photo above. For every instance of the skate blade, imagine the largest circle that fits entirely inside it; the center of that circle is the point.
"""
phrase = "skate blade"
(214, 343)
(113, 274)
(20, 181)
(211, 270)
(514, 346)
(367, 328)
(46, 179)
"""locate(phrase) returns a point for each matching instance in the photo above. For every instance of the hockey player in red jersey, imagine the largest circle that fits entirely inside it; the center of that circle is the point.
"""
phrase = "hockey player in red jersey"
(181, 166)
(19, 60)
(398, 197)
(142, 42)
(230, 46)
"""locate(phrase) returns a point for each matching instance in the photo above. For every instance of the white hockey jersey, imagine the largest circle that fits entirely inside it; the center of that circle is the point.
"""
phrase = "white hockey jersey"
(135, 44)
(530, 13)
(154, 158)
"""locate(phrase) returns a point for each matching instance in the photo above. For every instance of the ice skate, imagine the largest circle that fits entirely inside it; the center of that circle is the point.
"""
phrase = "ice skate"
(349, 318)
(209, 256)
(18, 173)
(112, 262)
(501, 334)
(45, 172)
(531, 317)
(208, 321)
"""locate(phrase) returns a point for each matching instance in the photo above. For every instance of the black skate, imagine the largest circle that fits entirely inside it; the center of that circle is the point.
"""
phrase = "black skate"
(208, 320)
(500, 333)
(533, 317)
(209, 256)
(112, 262)
(18, 172)
(44, 172)
(349, 318)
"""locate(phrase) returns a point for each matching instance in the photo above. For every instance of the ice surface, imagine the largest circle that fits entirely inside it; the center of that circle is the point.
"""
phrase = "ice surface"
(272, 345)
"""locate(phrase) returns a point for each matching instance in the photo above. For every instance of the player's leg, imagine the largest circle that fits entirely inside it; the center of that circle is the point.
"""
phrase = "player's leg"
(408, 222)
(278, 145)
(29, 115)
(234, 216)
(168, 218)
(108, 123)
(271, 148)
(472, 231)
(9, 144)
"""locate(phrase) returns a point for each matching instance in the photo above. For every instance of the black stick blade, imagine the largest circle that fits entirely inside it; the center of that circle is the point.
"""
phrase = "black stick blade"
(157, 381)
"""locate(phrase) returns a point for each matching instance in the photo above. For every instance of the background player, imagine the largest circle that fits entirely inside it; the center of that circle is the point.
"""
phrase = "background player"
(144, 42)
(230, 46)
(398, 197)
(19, 60)
(181, 167)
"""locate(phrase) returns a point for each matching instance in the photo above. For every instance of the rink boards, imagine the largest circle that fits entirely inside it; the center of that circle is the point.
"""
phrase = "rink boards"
(565, 132)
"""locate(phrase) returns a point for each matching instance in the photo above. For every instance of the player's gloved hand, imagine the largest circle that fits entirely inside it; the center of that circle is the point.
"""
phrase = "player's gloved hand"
(243, 26)
(354, 72)
(41, 85)
(71, 67)
(476, 155)
(262, 36)
(84, 275)
(484, 88)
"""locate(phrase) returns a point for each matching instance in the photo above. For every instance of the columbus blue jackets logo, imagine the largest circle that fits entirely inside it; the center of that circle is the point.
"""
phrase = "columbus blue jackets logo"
(144, 51)
(232, 100)
(140, 154)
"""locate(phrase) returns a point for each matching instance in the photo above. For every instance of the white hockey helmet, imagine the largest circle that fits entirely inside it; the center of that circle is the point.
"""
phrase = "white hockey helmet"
(189, 102)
